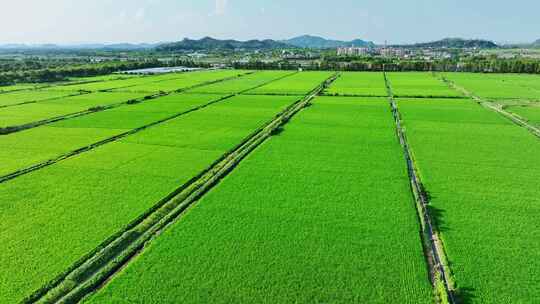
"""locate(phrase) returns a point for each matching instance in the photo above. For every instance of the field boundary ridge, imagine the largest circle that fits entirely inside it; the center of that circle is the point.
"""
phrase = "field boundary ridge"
(437, 262)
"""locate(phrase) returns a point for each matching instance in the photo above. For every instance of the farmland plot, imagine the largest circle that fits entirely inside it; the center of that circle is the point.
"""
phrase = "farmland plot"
(482, 173)
(298, 84)
(103, 85)
(17, 97)
(71, 80)
(530, 113)
(244, 83)
(499, 87)
(419, 84)
(32, 146)
(105, 77)
(17, 87)
(321, 213)
(28, 113)
(120, 83)
(358, 84)
(54, 216)
(182, 81)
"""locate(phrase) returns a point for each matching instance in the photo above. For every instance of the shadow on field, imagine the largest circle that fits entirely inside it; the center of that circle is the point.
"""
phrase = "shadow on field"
(464, 295)
(437, 215)
(277, 132)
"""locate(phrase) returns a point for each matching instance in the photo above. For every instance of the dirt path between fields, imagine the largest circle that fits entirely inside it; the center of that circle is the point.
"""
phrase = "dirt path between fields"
(435, 255)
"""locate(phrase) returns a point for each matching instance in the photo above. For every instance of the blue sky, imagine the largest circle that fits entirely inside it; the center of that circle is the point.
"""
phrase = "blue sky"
(77, 21)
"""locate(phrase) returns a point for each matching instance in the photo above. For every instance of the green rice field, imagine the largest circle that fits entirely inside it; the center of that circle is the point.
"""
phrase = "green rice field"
(297, 84)
(419, 84)
(317, 250)
(244, 84)
(358, 84)
(102, 191)
(48, 109)
(238, 186)
(530, 113)
(499, 87)
(130, 82)
(17, 87)
(27, 96)
(181, 81)
(484, 192)
(58, 107)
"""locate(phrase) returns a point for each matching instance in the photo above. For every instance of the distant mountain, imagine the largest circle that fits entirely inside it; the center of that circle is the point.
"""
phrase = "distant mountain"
(536, 43)
(209, 43)
(458, 43)
(316, 42)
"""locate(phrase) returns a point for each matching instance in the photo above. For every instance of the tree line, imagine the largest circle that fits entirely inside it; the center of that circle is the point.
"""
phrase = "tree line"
(475, 65)
(34, 71)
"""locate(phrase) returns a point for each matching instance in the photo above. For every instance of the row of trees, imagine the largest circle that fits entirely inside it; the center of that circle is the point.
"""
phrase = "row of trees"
(476, 65)
(59, 72)
(46, 70)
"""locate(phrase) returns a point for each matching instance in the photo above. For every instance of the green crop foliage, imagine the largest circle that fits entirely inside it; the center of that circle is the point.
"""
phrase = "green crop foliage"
(182, 81)
(17, 87)
(29, 147)
(419, 84)
(499, 87)
(28, 113)
(46, 109)
(482, 173)
(299, 84)
(243, 83)
(358, 83)
(54, 216)
(13, 98)
(530, 113)
(320, 213)
(126, 84)
(104, 77)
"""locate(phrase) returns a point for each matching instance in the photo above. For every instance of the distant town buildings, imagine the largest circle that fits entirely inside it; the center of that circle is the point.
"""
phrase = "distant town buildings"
(290, 54)
(394, 52)
(366, 51)
(353, 51)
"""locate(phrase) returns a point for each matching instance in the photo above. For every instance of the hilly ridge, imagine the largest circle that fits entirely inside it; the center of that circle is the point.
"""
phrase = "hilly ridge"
(308, 41)
(208, 43)
(457, 43)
